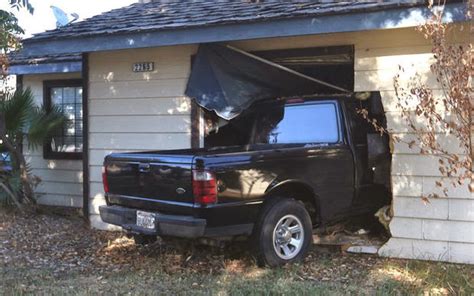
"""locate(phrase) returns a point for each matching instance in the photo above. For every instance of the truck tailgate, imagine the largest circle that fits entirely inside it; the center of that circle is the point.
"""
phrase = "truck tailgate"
(164, 178)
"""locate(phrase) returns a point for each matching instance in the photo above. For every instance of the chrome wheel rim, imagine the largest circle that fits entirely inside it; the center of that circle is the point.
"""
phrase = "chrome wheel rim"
(288, 237)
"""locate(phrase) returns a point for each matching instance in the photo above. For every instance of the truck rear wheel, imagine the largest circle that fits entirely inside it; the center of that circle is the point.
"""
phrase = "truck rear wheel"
(283, 233)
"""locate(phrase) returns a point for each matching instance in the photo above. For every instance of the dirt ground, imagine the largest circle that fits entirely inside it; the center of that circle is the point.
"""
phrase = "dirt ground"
(52, 254)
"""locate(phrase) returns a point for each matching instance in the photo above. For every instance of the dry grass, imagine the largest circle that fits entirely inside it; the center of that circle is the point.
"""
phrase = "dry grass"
(47, 254)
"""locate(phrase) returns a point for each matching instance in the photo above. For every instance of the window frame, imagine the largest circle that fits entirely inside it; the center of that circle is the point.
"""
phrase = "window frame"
(335, 103)
(47, 103)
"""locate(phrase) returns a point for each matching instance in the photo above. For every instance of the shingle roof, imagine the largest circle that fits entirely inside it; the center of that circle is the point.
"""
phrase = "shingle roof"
(18, 58)
(170, 15)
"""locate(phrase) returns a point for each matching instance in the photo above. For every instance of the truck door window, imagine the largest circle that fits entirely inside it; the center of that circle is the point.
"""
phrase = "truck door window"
(299, 124)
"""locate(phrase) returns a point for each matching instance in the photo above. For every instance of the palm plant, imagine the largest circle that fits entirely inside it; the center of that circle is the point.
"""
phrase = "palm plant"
(21, 119)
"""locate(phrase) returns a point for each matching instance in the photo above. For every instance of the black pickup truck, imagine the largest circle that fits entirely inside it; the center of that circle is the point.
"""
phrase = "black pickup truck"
(288, 166)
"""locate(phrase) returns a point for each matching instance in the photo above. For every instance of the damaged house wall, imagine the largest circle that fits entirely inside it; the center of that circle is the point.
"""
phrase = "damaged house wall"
(140, 111)
(443, 229)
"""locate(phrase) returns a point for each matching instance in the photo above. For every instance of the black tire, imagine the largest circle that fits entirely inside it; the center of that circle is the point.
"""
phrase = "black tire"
(142, 239)
(273, 213)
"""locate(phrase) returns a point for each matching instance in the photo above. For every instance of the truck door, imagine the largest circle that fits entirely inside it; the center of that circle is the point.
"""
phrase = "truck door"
(308, 144)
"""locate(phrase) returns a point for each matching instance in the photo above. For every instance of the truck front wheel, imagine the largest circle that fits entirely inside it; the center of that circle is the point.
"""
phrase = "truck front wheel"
(283, 233)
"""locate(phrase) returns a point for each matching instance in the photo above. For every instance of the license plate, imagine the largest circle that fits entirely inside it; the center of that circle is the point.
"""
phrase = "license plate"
(146, 220)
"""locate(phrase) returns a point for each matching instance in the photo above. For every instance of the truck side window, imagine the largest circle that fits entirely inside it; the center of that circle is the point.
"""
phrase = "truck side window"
(299, 124)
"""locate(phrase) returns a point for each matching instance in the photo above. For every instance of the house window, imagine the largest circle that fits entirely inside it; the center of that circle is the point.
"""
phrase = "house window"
(66, 143)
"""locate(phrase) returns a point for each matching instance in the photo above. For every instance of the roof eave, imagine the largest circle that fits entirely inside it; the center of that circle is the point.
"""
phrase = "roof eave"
(47, 68)
(377, 20)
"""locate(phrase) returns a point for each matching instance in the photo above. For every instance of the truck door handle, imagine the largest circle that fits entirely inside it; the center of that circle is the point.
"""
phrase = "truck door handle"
(144, 168)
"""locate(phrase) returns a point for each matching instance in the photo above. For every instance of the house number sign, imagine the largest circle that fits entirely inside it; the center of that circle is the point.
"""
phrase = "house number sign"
(143, 67)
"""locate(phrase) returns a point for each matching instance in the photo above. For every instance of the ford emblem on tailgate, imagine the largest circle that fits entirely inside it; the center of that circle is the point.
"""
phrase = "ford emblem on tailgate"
(180, 190)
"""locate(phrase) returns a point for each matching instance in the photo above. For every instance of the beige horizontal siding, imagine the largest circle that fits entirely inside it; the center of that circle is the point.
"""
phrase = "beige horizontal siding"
(429, 250)
(390, 101)
(364, 41)
(137, 89)
(61, 200)
(390, 58)
(417, 186)
(415, 165)
(66, 188)
(148, 106)
(446, 142)
(65, 176)
(406, 227)
(397, 122)
(461, 252)
(414, 207)
(136, 111)
(142, 123)
(461, 210)
(382, 80)
(451, 231)
(95, 173)
(416, 249)
(97, 190)
(38, 162)
(458, 191)
(119, 70)
(139, 140)
(442, 208)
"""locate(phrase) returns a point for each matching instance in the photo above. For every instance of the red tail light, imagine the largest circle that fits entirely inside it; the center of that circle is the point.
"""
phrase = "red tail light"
(104, 180)
(204, 187)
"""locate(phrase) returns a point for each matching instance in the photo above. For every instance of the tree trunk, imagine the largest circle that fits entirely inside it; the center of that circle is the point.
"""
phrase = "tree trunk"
(19, 164)
(28, 192)
(12, 195)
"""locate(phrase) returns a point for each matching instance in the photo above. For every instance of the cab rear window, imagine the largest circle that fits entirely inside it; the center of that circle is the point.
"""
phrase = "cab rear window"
(299, 124)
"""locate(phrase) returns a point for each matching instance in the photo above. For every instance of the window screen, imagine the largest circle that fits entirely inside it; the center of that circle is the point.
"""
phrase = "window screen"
(294, 124)
(67, 141)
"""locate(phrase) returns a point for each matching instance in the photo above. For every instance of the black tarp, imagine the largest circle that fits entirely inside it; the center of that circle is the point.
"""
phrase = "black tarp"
(227, 81)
